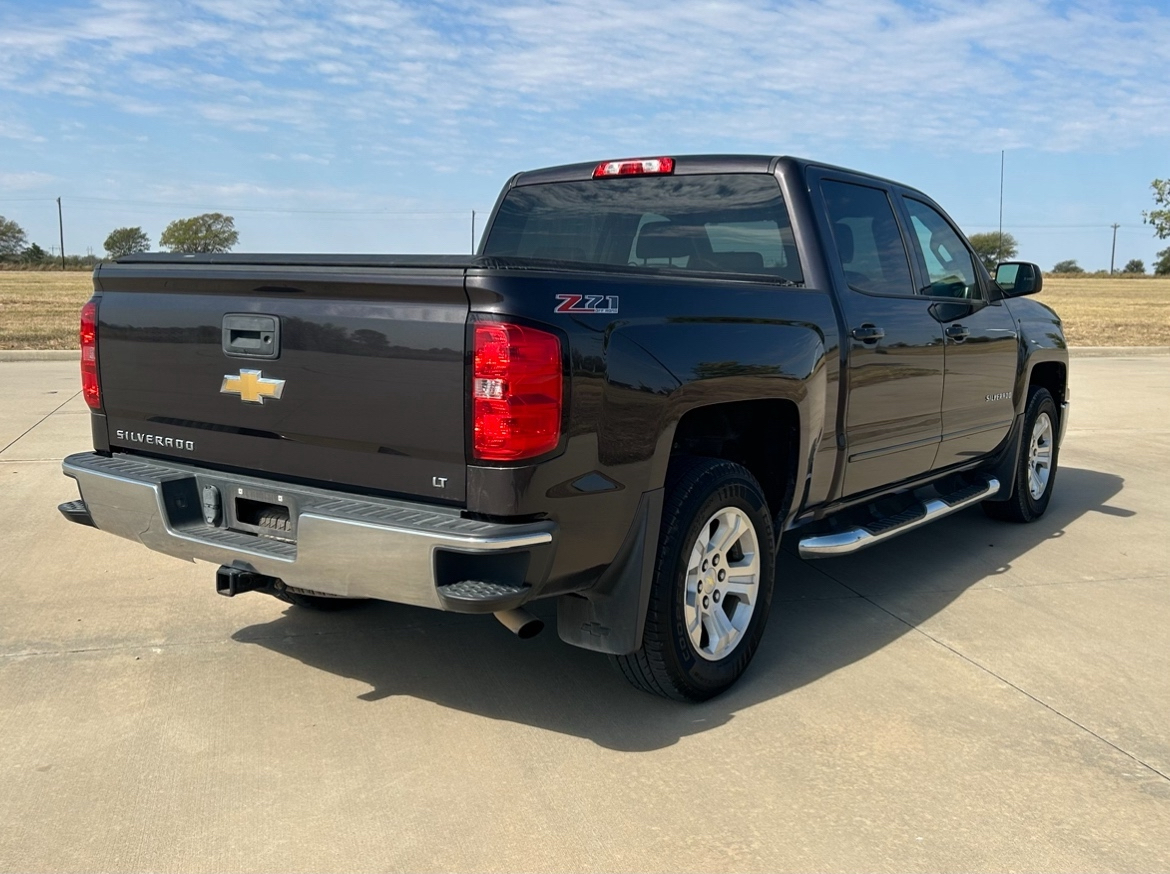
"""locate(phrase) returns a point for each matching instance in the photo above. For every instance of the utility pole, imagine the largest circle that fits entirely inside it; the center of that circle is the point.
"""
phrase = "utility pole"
(61, 228)
(1113, 253)
(473, 232)
(999, 239)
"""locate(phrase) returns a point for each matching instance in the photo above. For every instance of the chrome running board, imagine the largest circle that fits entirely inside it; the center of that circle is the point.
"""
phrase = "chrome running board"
(846, 542)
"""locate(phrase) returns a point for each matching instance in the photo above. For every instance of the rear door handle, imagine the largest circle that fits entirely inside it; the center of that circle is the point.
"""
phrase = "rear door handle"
(867, 333)
(958, 332)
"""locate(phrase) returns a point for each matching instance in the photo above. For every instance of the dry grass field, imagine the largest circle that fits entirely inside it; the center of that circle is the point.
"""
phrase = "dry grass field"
(38, 310)
(1104, 311)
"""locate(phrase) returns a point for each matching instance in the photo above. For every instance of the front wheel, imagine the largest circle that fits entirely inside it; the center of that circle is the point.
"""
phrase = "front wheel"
(712, 586)
(1035, 473)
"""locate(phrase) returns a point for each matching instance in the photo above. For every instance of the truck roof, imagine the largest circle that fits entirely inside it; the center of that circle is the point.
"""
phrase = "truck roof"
(685, 165)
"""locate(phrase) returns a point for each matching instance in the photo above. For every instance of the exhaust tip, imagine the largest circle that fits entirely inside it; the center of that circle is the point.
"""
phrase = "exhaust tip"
(520, 622)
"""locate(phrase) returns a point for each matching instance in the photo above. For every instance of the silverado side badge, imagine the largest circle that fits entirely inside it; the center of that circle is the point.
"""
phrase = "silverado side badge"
(252, 386)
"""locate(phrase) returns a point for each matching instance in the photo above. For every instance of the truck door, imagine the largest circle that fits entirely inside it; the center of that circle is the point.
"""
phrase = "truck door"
(894, 366)
(981, 339)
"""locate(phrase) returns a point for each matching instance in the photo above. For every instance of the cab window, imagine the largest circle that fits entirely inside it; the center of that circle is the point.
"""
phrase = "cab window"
(948, 262)
(722, 223)
(868, 240)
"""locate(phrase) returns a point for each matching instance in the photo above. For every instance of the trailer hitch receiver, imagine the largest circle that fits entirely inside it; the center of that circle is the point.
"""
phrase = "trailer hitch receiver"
(232, 581)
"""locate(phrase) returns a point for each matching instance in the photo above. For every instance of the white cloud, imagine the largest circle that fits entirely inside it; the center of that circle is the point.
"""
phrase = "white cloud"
(24, 181)
(981, 74)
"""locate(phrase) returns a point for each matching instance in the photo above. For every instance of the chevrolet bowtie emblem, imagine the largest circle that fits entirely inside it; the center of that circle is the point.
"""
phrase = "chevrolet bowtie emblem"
(252, 387)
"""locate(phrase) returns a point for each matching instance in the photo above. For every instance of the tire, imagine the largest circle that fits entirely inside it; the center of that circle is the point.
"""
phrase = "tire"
(693, 648)
(1035, 474)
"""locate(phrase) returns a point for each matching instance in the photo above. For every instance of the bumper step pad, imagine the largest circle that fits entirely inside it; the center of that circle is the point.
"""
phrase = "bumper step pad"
(477, 596)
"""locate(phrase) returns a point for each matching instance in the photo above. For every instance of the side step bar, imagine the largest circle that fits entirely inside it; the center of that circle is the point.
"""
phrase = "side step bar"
(846, 542)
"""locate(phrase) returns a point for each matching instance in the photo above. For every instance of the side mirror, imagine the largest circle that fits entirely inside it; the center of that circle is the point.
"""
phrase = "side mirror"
(1018, 278)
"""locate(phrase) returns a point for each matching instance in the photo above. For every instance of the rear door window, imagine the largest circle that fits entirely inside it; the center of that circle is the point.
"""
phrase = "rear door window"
(723, 223)
(867, 237)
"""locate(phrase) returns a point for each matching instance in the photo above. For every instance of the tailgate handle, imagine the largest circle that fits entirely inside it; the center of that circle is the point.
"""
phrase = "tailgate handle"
(247, 335)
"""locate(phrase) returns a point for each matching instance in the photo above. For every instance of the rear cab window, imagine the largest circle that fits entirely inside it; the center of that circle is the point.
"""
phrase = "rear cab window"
(733, 223)
(868, 240)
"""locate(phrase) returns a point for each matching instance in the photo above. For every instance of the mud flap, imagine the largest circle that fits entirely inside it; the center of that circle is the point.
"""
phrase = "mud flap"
(610, 616)
(1006, 460)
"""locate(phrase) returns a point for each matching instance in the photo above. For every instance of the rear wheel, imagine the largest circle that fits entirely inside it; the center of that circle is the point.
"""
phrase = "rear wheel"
(712, 585)
(1035, 473)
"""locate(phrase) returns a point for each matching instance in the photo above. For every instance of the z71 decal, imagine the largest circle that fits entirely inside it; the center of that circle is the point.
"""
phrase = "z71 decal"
(586, 303)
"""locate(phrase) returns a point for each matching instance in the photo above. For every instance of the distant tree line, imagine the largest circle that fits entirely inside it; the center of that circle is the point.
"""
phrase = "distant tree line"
(1159, 218)
(206, 233)
(1133, 267)
(215, 232)
(994, 247)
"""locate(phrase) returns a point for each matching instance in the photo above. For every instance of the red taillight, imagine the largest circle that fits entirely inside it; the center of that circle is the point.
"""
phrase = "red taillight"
(635, 167)
(516, 392)
(89, 375)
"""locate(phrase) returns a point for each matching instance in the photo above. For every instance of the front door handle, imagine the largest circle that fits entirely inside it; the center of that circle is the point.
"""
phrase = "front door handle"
(867, 333)
(958, 332)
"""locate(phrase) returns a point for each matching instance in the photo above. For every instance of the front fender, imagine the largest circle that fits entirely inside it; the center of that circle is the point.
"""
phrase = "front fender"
(1042, 342)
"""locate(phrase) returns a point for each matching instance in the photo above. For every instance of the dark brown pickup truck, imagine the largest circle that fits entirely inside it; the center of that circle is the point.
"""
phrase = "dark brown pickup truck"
(652, 369)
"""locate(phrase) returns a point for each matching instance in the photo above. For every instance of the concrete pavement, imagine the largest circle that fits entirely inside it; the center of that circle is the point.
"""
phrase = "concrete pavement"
(974, 696)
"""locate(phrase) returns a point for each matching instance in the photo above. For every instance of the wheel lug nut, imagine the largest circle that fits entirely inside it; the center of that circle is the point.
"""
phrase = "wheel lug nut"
(705, 565)
(700, 586)
(706, 601)
(716, 596)
(722, 575)
(715, 560)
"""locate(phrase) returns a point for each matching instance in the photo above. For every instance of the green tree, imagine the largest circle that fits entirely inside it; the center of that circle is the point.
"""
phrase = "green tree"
(210, 232)
(992, 248)
(1069, 266)
(1160, 217)
(34, 254)
(126, 241)
(12, 238)
(1135, 265)
(1162, 265)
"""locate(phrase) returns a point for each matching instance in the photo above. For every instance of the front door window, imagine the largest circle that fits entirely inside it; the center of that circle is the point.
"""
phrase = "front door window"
(948, 263)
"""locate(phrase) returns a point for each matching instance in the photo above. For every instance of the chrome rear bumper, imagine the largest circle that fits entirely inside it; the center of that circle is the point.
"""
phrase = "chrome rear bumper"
(345, 545)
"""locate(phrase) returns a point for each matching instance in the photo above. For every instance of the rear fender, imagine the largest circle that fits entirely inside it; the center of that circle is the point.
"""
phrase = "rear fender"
(638, 422)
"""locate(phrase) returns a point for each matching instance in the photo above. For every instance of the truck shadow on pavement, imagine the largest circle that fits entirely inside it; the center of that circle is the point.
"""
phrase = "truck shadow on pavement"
(826, 615)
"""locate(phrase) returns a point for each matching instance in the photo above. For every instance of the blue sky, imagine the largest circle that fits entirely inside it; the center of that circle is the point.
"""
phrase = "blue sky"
(368, 126)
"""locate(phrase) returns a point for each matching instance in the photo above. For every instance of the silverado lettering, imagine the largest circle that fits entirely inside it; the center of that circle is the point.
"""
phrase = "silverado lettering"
(154, 440)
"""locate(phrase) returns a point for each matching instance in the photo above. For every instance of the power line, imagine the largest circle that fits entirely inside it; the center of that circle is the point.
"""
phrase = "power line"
(269, 209)
(999, 240)
(61, 228)
(82, 200)
(1066, 227)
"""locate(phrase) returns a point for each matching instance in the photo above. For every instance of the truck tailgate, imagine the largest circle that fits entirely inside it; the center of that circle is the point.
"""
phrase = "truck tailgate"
(353, 376)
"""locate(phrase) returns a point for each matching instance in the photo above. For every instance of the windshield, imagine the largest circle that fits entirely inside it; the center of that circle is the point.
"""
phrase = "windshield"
(728, 223)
